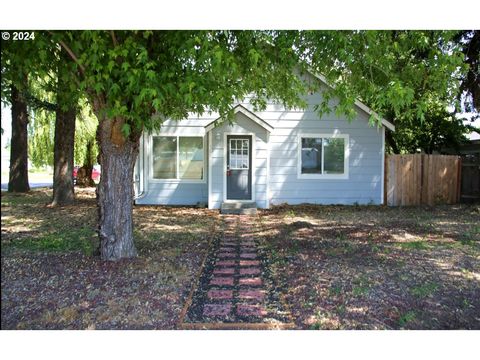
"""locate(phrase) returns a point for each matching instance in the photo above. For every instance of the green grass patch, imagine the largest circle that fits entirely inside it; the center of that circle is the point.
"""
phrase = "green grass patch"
(362, 286)
(414, 245)
(425, 290)
(316, 326)
(360, 290)
(335, 290)
(471, 236)
(406, 318)
(293, 249)
(35, 197)
(340, 309)
(74, 240)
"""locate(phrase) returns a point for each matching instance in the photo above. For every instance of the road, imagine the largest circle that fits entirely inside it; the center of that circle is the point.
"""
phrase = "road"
(32, 185)
(36, 180)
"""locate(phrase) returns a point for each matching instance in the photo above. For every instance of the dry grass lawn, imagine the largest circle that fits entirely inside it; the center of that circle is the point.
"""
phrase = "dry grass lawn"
(338, 267)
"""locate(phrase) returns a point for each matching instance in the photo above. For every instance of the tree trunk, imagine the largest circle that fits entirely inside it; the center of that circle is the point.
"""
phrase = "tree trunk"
(63, 191)
(18, 177)
(84, 174)
(117, 156)
(391, 141)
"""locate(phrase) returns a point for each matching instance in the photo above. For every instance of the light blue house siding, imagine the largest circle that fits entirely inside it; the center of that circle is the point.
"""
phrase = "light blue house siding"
(276, 177)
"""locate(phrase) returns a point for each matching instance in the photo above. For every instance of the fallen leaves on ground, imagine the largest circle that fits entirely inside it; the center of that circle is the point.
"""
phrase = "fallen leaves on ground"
(370, 267)
(55, 288)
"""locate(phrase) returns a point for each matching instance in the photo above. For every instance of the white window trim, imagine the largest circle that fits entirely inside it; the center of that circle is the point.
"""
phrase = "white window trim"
(335, 135)
(177, 180)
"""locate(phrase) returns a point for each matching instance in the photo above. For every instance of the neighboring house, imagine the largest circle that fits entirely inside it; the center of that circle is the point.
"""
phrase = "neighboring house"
(265, 158)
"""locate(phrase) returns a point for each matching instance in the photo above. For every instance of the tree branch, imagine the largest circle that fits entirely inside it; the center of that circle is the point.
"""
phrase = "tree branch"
(36, 103)
(71, 54)
(114, 38)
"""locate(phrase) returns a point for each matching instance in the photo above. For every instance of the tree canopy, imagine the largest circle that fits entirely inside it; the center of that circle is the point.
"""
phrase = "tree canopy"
(42, 131)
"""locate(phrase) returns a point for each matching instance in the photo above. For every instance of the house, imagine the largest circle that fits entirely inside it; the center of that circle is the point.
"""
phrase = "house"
(264, 158)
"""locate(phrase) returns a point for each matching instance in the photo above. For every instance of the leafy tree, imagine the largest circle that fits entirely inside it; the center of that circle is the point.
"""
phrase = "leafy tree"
(86, 149)
(14, 83)
(41, 129)
(18, 175)
(41, 132)
(469, 41)
(38, 59)
(408, 77)
(440, 129)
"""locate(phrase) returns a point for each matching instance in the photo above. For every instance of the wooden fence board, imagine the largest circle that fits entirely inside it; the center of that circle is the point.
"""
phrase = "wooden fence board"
(420, 179)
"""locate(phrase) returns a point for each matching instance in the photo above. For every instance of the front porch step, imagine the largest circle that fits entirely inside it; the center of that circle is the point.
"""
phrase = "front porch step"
(239, 208)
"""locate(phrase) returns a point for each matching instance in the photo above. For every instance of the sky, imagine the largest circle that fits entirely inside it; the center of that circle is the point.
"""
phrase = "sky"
(6, 126)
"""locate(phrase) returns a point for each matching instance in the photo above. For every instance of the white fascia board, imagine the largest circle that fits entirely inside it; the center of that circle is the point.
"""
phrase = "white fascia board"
(241, 109)
(358, 103)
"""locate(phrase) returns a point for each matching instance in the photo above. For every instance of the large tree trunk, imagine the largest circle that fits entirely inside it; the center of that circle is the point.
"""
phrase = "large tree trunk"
(63, 191)
(115, 191)
(18, 177)
(63, 149)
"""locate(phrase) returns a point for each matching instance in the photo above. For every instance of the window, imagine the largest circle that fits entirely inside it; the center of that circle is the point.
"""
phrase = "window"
(177, 157)
(239, 157)
(323, 156)
(164, 157)
(190, 158)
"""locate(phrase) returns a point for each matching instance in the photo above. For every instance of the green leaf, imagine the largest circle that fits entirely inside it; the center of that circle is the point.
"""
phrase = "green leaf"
(126, 130)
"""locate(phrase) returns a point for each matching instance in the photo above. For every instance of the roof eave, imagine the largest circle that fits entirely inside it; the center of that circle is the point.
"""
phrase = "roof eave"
(252, 116)
(358, 103)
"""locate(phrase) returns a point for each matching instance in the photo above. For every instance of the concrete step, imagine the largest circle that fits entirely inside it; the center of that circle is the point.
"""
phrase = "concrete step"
(239, 208)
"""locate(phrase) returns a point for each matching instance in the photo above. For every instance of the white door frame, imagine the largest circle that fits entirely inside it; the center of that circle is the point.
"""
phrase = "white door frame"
(253, 165)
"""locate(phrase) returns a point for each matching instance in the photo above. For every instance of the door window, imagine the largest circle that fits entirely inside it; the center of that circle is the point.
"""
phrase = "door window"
(239, 154)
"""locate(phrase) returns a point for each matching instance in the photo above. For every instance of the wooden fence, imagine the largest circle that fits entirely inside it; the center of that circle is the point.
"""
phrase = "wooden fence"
(421, 179)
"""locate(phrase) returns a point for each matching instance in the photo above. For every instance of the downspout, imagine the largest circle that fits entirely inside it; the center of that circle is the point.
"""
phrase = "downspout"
(142, 168)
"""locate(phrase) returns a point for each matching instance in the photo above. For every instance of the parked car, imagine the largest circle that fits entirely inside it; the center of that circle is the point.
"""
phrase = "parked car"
(75, 171)
(95, 173)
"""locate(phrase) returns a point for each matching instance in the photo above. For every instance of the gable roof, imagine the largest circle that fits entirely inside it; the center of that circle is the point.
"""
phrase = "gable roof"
(249, 114)
(241, 109)
(358, 103)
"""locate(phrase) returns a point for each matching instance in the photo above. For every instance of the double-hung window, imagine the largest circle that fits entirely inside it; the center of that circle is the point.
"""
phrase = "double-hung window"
(323, 156)
(177, 158)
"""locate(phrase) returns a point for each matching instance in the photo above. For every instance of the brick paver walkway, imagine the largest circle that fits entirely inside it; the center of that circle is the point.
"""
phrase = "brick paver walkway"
(235, 287)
